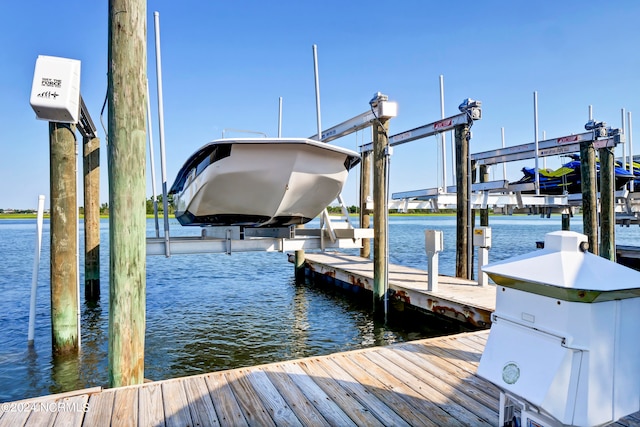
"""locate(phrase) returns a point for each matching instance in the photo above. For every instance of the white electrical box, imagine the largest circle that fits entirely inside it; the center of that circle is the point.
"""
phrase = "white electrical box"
(387, 110)
(482, 237)
(433, 241)
(55, 93)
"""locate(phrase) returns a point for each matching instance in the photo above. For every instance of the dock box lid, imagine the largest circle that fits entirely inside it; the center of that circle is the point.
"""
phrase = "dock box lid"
(564, 269)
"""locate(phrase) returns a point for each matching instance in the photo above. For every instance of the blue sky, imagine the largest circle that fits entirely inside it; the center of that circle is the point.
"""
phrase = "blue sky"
(225, 64)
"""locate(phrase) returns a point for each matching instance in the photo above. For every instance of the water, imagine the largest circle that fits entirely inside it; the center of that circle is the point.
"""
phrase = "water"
(211, 312)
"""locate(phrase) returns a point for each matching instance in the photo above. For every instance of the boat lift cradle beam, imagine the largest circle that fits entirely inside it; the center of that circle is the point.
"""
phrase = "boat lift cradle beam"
(229, 239)
(431, 129)
(601, 137)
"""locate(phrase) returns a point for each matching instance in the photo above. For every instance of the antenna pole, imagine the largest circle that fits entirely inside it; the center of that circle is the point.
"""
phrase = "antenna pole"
(315, 68)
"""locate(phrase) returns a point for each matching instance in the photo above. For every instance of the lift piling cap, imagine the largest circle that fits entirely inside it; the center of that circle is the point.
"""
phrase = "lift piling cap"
(569, 241)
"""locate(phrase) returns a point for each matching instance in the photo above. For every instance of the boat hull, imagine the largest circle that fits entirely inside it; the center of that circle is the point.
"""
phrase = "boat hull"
(260, 183)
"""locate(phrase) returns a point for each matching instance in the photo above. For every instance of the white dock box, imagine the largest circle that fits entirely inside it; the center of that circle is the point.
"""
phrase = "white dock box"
(564, 337)
(55, 93)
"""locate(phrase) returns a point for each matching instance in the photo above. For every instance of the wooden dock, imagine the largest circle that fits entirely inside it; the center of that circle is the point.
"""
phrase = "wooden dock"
(461, 299)
(429, 382)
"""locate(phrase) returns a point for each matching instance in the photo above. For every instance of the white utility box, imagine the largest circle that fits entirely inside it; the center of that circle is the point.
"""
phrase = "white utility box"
(55, 93)
(482, 237)
(433, 241)
(564, 335)
(387, 110)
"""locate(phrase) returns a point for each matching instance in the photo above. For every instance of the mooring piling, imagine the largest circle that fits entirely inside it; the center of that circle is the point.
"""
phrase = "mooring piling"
(91, 171)
(462, 201)
(365, 190)
(127, 74)
(381, 152)
(589, 195)
(64, 238)
(607, 204)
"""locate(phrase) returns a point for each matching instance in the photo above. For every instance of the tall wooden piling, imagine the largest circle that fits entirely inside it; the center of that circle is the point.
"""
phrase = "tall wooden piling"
(365, 190)
(607, 206)
(91, 172)
(380, 204)
(64, 238)
(589, 195)
(566, 222)
(484, 212)
(462, 200)
(127, 75)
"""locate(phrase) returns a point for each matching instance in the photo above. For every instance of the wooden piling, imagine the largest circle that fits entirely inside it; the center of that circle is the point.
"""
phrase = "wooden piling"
(365, 190)
(607, 206)
(589, 195)
(127, 75)
(484, 213)
(462, 200)
(64, 238)
(91, 172)
(566, 222)
(380, 204)
(299, 266)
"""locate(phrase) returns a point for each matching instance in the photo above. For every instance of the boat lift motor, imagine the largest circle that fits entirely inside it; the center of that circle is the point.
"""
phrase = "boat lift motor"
(563, 345)
(55, 92)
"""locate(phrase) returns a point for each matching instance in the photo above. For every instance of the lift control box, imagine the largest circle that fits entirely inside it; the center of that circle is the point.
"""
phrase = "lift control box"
(482, 237)
(55, 93)
(433, 241)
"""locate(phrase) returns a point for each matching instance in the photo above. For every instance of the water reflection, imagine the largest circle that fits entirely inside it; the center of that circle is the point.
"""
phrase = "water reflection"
(300, 330)
(65, 373)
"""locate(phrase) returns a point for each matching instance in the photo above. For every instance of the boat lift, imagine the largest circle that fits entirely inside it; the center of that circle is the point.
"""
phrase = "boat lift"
(229, 239)
(501, 193)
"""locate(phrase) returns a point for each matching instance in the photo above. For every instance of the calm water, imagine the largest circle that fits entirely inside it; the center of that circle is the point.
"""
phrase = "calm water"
(212, 312)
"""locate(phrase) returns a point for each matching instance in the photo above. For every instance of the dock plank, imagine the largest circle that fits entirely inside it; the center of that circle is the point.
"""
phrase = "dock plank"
(377, 407)
(254, 411)
(351, 406)
(381, 384)
(10, 418)
(41, 418)
(316, 395)
(125, 407)
(227, 408)
(70, 411)
(278, 408)
(100, 409)
(453, 394)
(200, 404)
(432, 413)
(295, 398)
(463, 381)
(431, 391)
(151, 408)
(175, 403)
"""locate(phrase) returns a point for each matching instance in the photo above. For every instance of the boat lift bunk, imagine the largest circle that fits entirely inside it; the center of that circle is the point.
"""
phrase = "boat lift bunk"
(334, 233)
(509, 196)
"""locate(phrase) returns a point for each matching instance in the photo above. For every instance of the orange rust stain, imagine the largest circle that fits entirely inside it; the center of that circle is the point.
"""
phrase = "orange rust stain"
(401, 296)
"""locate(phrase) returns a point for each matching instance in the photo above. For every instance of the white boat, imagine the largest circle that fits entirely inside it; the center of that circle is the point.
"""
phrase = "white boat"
(260, 182)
